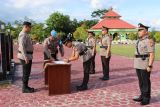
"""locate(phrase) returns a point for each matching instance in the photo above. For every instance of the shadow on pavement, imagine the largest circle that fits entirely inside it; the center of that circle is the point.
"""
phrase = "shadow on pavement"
(155, 99)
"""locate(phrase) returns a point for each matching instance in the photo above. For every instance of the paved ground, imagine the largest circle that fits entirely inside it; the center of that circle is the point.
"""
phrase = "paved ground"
(117, 92)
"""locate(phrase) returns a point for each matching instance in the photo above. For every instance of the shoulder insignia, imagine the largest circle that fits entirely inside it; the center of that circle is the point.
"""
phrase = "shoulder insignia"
(151, 42)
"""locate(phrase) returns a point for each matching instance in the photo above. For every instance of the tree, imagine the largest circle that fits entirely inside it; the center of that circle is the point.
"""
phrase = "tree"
(80, 33)
(132, 36)
(17, 26)
(98, 13)
(152, 33)
(74, 25)
(88, 23)
(38, 33)
(1, 22)
(157, 36)
(60, 23)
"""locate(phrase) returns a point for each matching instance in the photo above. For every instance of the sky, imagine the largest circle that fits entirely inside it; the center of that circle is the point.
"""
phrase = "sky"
(132, 11)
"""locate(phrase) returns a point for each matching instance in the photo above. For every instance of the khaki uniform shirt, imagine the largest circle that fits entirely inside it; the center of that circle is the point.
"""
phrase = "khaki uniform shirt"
(144, 47)
(79, 47)
(25, 45)
(105, 42)
(91, 42)
(50, 47)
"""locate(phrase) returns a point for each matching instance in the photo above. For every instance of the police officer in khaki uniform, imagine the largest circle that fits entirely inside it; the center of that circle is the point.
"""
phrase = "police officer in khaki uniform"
(91, 44)
(25, 52)
(79, 50)
(143, 61)
(51, 45)
(105, 52)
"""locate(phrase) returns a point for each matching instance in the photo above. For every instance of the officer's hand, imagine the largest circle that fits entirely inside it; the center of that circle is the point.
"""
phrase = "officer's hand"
(92, 53)
(65, 60)
(107, 56)
(149, 69)
(51, 59)
(26, 61)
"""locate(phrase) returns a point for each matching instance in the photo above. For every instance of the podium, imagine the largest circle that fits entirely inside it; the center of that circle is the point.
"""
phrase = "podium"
(57, 77)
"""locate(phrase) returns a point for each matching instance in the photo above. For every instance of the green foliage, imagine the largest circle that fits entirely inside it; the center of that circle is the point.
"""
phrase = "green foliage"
(132, 36)
(152, 33)
(61, 23)
(88, 23)
(16, 28)
(38, 33)
(98, 35)
(117, 38)
(1, 22)
(157, 36)
(98, 13)
(80, 33)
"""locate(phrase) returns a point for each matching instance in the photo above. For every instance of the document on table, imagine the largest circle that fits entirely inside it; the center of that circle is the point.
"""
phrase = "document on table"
(60, 62)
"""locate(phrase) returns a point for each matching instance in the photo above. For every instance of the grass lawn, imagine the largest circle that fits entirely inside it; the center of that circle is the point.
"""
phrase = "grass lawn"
(129, 50)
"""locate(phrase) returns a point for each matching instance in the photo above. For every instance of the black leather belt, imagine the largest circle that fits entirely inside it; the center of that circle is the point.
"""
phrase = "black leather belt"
(141, 56)
(26, 52)
(104, 47)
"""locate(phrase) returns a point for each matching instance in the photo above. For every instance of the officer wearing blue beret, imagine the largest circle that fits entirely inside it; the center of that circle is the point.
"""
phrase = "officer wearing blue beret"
(51, 45)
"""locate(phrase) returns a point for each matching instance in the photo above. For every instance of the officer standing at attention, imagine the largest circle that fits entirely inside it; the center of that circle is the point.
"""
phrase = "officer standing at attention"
(79, 50)
(105, 53)
(25, 55)
(91, 44)
(144, 58)
(50, 46)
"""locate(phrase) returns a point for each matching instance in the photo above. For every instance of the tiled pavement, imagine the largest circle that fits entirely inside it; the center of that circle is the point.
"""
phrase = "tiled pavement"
(117, 92)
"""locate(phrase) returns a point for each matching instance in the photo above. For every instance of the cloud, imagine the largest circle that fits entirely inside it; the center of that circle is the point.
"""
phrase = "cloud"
(156, 22)
(152, 23)
(40, 10)
(20, 4)
(96, 4)
(37, 10)
(16, 3)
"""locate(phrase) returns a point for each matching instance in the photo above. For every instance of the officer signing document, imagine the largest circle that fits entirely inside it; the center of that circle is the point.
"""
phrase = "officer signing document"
(79, 50)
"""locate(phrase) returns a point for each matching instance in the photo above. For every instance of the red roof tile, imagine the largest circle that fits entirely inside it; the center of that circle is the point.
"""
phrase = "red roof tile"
(111, 13)
(113, 24)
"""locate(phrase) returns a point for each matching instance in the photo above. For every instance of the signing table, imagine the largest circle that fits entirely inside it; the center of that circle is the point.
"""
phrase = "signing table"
(57, 76)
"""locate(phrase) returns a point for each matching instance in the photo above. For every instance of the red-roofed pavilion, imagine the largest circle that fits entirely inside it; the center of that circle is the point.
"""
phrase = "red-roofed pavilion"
(112, 20)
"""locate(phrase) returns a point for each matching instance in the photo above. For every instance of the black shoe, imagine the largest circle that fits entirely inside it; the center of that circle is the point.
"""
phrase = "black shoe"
(145, 101)
(81, 88)
(138, 99)
(32, 89)
(27, 90)
(104, 78)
